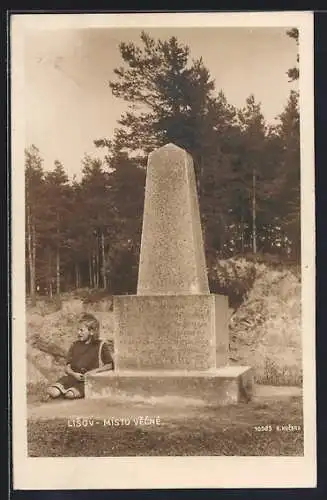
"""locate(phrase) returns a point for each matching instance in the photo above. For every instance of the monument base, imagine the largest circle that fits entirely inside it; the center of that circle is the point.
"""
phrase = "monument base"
(221, 386)
(171, 332)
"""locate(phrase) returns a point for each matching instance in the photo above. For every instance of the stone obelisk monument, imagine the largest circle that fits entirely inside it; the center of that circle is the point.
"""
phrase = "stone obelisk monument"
(172, 337)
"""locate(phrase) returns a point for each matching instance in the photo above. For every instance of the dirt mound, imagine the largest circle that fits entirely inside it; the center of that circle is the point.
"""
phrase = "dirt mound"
(265, 331)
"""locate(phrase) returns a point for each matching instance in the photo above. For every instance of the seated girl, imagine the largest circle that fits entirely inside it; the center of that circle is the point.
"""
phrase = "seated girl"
(88, 353)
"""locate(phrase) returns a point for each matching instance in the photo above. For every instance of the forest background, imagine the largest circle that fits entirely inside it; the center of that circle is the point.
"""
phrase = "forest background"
(86, 233)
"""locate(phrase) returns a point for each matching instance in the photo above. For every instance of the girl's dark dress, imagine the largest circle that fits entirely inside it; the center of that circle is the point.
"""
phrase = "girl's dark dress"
(82, 358)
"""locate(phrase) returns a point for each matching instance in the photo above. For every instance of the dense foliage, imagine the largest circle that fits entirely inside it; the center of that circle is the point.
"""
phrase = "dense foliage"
(86, 233)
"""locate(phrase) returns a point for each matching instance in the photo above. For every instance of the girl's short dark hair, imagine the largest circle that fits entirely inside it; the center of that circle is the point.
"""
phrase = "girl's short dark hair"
(91, 323)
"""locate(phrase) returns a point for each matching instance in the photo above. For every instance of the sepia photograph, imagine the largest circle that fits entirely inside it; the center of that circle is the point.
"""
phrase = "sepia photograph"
(163, 250)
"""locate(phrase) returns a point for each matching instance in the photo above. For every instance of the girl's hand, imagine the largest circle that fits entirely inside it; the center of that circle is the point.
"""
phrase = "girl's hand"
(79, 376)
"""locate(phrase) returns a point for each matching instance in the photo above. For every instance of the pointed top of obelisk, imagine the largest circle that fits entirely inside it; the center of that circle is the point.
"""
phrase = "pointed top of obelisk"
(169, 148)
(172, 257)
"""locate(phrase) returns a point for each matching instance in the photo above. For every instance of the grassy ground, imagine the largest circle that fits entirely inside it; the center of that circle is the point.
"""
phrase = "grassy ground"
(239, 430)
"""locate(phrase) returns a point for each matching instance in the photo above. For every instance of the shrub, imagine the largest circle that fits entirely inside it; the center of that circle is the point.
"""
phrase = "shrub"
(233, 278)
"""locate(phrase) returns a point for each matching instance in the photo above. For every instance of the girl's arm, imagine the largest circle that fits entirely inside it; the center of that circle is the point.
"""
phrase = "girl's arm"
(103, 368)
(106, 358)
(69, 370)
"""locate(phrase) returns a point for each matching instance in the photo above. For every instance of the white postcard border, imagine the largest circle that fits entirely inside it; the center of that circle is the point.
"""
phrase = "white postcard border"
(162, 472)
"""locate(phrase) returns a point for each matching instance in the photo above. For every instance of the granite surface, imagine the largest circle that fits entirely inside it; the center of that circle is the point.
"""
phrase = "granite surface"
(172, 259)
(170, 332)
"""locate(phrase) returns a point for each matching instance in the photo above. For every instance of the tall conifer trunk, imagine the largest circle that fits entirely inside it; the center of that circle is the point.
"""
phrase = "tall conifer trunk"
(90, 270)
(254, 213)
(94, 274)
(50, 271)
(77, 276)
(103, 262)
(58, 271)
(242, 235)
(31, 249)
(58, 257)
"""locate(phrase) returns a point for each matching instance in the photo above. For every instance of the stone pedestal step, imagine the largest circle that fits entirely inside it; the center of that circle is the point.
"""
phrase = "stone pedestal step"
(221, 386)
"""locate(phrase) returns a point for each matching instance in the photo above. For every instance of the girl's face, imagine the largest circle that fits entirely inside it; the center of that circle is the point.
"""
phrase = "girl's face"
(83, 333)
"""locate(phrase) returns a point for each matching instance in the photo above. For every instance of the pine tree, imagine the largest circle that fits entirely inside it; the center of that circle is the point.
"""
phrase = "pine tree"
(55, 213)
(289, 198)
(34, 197)
(294, 73)
(127, 183)
(251, 166)
(98, 208)
(77, 238)
(169, 98)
